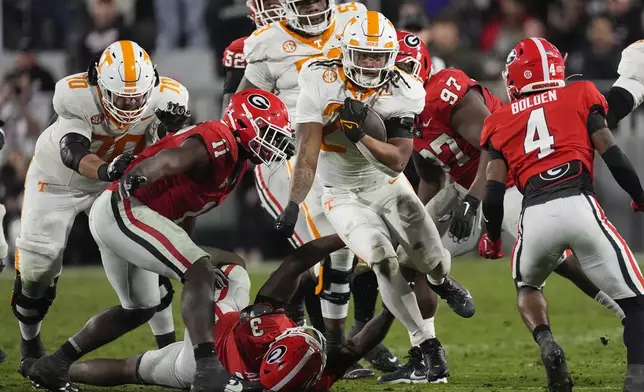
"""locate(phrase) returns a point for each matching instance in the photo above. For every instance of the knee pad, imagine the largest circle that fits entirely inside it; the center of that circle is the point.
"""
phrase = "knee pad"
(336, 289)
(167, 293)
(388, 267)
(29, 310)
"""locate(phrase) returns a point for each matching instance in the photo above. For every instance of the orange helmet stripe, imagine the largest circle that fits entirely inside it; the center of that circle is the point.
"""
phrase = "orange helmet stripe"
(373, 26)
(129, 64)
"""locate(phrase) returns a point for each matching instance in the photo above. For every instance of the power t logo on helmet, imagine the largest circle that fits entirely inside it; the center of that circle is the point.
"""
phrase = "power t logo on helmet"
(125, 77)
(533, 65)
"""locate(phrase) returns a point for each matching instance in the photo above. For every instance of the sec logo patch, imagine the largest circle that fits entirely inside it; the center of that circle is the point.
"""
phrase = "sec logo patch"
(289, 46)
(329, 76)
(97, 119)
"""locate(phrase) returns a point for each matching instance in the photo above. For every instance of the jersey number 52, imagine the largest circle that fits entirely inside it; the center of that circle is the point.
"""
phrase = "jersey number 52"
(538, 135)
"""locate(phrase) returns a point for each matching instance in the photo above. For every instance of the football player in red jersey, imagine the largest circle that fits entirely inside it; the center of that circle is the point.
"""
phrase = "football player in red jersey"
(135, 223)
(262, 12)
(548, 136)
(257, 343)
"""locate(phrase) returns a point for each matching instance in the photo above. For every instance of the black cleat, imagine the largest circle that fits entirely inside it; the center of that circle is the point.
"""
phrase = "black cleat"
(413, 372)
(457, 297)
(382, 359)
(434, 357)
(47, 374)
(554, 361)
(32, 348)
(357, 371)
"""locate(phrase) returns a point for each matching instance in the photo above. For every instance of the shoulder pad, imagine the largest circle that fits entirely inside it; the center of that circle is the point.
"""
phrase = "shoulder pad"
(169, 90)
(410, 87)
(258, 45)
(237, 46)
(73, 97)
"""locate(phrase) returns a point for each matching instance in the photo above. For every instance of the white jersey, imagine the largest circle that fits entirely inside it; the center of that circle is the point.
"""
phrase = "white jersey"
(323, 91)
(275, 54)
(79, 110)
(631, 72)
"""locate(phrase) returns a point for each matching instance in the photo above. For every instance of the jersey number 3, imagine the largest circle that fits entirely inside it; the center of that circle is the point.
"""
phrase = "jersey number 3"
(254, 327)
(538, 135)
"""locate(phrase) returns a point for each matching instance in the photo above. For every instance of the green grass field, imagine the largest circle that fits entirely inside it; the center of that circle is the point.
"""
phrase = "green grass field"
(490, 352)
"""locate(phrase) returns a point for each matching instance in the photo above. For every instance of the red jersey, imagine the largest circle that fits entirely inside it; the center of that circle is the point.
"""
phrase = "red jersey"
(179, 196)
(241, 346)
(436, 139)
(234, 54)
(544, 131)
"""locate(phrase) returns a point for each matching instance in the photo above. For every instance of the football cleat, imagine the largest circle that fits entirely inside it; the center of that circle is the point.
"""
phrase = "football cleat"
(434, 357)
(413, 372)
(458, 298)
(554, 361)
(357, 371)
(382, 359)
(47, 374)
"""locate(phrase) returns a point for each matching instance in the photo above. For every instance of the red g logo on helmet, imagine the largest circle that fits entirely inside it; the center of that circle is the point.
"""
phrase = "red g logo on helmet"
(259, 101)
(413, 56)
(412, 41)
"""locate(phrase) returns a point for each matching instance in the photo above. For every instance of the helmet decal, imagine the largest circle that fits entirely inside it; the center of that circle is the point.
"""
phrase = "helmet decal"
(259, 101)
(276, 354)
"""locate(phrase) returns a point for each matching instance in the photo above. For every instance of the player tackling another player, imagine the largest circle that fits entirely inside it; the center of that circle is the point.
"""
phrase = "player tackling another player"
(547, 135)
(136, 225)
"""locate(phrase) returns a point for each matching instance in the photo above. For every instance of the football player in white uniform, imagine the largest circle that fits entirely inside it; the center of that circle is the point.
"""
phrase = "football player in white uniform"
(628, 91)
(105, 116)
(366, 198)
(275, 55)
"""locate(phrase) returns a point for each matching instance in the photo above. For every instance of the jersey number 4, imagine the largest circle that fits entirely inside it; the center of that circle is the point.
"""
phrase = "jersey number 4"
(538, 135)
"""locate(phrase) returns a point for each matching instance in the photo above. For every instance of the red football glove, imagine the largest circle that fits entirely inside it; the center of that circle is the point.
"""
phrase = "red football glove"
(637, 207)
(490, 249)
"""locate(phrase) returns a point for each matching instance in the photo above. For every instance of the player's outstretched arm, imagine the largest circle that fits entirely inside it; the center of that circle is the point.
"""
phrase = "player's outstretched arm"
(497, 174)
(281, 285)
(190, 154)
(618, 163)
(309, 139)
(432, 177)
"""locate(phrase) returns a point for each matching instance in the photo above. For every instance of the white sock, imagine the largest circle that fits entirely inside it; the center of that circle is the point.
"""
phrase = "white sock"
(428, 329)
(400, 299)
(29, 332)
(608, 302)
(162, 322)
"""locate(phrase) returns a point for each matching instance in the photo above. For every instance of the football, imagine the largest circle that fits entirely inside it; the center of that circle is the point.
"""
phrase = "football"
(373, 124)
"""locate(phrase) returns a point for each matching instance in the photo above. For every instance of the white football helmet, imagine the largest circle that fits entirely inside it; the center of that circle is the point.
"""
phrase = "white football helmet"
(125, 77)
(263, 12)
(311, 17)
(369, 49)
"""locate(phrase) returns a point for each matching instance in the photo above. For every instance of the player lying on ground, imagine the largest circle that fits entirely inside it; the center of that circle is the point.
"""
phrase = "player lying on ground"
(548, 136)
(104, 116)
(367, 199)
(135, 224)
(258, 342)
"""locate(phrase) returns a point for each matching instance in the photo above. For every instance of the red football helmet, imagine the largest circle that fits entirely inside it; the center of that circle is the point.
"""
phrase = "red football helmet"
(261, 123)
(533, 65)
(263, 12)
(413, 55)
(294, 361)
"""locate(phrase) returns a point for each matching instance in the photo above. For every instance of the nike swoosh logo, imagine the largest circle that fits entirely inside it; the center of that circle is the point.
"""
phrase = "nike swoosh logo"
(426, 124)
(467, 207)
(392, 359)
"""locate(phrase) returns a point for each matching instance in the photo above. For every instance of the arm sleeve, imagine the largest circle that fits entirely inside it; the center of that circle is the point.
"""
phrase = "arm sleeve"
(309, 102)
(399, 127)
(233, 79)
(620, 103)
(259, 74)
(493, 208)
(623, 172)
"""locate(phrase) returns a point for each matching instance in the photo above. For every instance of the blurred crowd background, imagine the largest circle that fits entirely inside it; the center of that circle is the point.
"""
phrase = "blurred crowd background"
(44, 40)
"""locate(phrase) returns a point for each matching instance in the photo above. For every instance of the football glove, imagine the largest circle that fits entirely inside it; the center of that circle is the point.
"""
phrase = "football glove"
(285, 223)
(129, 183)
(352, 117)
(463, 219)
(174, 117)
(637, 206)
(117, 167)
(490, 249)
(221, 280)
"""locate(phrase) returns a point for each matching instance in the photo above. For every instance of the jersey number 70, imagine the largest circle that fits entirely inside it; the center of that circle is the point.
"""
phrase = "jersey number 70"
(538, 135)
